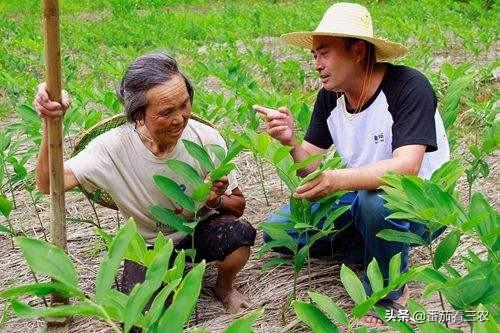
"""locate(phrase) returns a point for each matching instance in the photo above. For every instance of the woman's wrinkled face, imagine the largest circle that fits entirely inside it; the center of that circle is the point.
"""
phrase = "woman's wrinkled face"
(168, 110)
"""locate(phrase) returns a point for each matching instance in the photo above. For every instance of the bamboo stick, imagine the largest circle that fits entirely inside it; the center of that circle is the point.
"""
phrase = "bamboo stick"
(54, 127)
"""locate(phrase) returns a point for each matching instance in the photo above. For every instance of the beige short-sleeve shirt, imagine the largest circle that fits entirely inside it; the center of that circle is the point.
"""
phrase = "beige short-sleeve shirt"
(118, 162)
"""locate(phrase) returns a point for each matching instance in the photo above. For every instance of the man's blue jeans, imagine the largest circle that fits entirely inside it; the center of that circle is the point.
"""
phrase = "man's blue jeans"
(358, 242)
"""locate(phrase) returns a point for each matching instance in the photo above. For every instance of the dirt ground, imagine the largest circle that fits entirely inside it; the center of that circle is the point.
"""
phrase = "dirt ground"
(265, 290)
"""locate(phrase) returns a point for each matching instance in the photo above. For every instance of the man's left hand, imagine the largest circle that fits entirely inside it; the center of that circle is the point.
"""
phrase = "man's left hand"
(321, 186)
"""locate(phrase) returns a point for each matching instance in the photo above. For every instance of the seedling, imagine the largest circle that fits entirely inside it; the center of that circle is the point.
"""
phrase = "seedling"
(200, 183)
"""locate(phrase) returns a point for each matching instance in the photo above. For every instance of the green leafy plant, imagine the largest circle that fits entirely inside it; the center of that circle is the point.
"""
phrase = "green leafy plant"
(201, 185)
(315, 223)
(431, 202)
(108, 303)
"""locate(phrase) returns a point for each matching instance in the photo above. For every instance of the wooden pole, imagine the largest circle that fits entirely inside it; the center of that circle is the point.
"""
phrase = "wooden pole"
(54, 127)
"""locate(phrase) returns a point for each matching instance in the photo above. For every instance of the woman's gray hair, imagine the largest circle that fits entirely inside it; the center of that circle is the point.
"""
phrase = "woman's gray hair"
(144, 73)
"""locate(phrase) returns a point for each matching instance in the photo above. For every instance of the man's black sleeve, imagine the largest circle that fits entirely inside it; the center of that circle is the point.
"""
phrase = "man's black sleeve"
(318, 133)
(414, 114)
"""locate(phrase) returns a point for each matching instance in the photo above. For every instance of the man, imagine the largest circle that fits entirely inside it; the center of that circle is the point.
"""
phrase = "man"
(380, 117)
(157, 101)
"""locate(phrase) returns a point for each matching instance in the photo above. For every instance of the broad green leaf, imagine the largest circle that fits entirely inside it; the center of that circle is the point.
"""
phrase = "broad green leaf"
(234, 149)
(158, 304)
(186, 171)
(362, 308)
(289, 181)
(114, 303)
(304, 163)
(446, 248)
(200, 154)
(217, 150)
(177, 270)
(394, 267)
(83, 309)
(452, 271)
(402, 216)
(314, 318)
(244, 323)
(430, 275)
(109, 266)
(300, 258)
(414, 308)
(302, 226)
(138, 250)
(5, 230)
(201, 193)
(268, 246)
(107, 238)
(48, 259)
(168, 217)
(262, 143)
(40, 289)
(5, 206)
(401, 236)
(274, 262)
(172, 190)
(221, 171)
(329, 308)
(447, 175)
(415, 193)
(333, 216)
(375, 276)
(487, 326)
(279, 234)
(29, 114)
(142, 293)
(185, 298)
(281, 153)
(352, 284)
(486, 229)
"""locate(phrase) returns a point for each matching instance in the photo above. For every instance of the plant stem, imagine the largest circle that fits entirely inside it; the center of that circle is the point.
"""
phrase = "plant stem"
(9, 180)
(433, 265)
(308, 269)
(193, 252)
(261, 176)
(108, 319)
(12, 232)
(95, 212)
(36, 281)
(38, 216)
(295, 277)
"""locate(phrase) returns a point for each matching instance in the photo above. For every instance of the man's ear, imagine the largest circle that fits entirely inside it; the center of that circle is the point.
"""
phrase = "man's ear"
(359, 50)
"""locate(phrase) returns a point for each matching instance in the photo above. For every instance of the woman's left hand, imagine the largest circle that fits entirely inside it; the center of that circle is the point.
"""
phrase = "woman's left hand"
(218, 189)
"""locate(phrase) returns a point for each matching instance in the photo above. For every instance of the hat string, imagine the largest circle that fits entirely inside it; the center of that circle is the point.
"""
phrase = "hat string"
(370, 64)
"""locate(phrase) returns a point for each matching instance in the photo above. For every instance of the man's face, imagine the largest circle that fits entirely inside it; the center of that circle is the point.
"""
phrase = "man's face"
(168, 110)
(334, 62)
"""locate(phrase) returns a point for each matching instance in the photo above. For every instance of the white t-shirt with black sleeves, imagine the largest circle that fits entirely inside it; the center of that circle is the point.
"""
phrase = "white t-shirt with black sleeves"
(403, 111)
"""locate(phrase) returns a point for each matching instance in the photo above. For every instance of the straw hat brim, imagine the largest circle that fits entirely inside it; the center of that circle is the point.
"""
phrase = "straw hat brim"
(384, 50)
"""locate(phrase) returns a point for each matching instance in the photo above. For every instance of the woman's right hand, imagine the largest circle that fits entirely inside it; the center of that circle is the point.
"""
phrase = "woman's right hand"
(47, 108)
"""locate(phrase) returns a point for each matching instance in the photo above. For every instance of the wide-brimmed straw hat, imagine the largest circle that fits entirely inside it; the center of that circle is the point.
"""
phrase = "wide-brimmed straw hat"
(348, 20)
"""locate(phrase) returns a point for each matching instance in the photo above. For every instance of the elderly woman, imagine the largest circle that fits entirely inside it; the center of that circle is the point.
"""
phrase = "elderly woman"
(157, 101)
